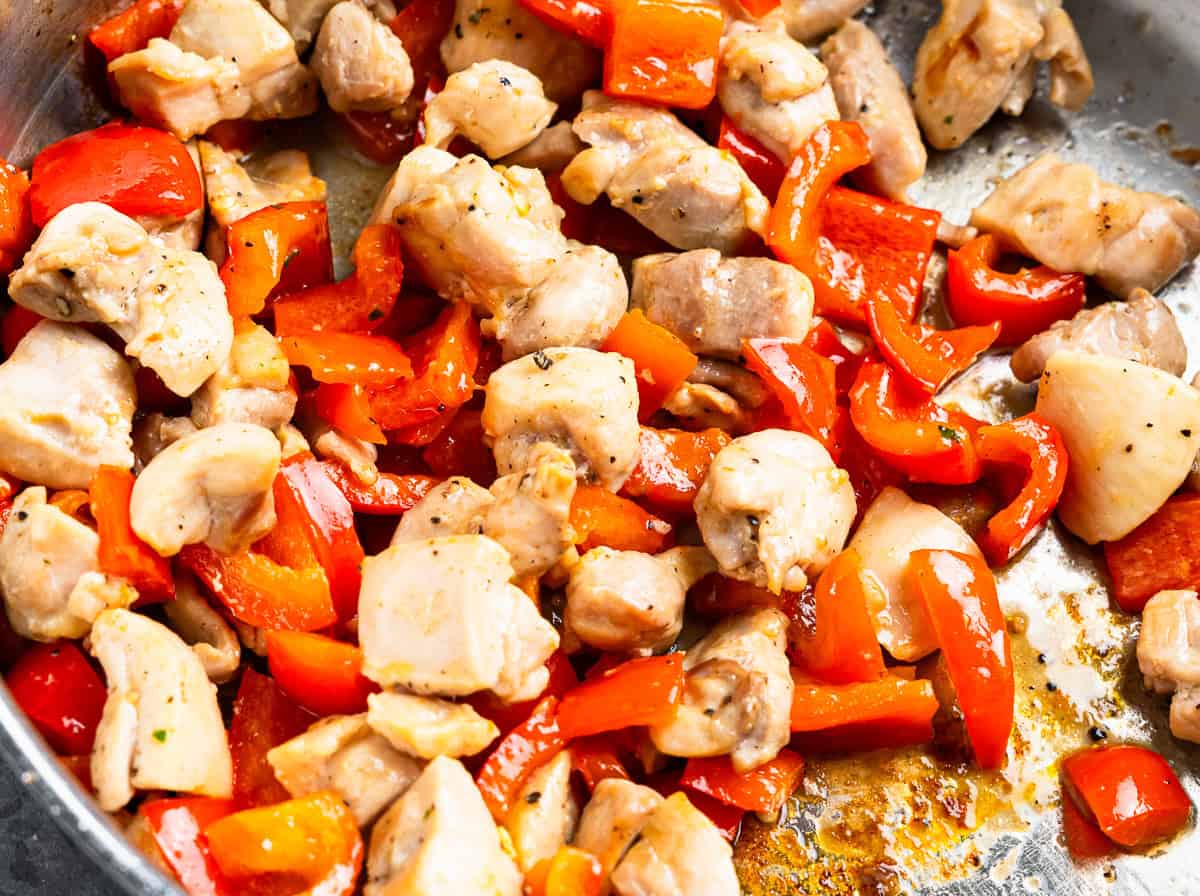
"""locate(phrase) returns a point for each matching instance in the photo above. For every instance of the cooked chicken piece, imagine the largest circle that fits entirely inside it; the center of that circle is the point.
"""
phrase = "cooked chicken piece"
(439, 617)
(870, 91)
(193, 618)
(1063, 215)
(50, 576)
(293, 443)
(701, 406)
(418, 168)
(731, 378)
(773, 88)
(66, 407)
(612, 819)
(343, 754)
(713, 303)
(180, 233)
(544, 814)
(583, 400)
(1131, 432)
(361, 64)
(1185, 714)
(427, 727)
(550, 151)
(737, 696)
(808, 20)
(651, 165)
(154, 432)
(1168, 648)
(630, 602)
(162, 727)
(775, 509)
(504, 29)
(1071, 79)
(213, 486)
(498, 106)
(680, 853)
(252, 386)
(302, 18)
(358, 455)
(439, 839)
(455, 507)
(1142, 329)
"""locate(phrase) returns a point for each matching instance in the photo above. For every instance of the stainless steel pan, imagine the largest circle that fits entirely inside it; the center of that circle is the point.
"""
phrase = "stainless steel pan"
(1142, 128)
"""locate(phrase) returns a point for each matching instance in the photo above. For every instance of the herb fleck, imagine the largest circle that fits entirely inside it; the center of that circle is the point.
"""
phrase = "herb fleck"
(949, 432)
(542, 361)
(160, 735)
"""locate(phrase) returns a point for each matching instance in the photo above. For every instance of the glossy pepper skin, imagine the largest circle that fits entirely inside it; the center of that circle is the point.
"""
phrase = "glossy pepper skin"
(641, 691)
(760, 164)
(523, 750)
(662, 362)
(841, 647)
(1159, 555)
(133, 28)
(319, 673)
(16, 229)
(121, 552)
(672, 465)
(869, 715)
(177, 827)
(803, 381)
(764, 789)
(663, 51)
(62, 694)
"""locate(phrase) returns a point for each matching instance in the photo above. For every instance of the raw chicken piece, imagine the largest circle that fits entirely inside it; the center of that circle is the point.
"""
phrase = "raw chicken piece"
(550, 151)
(808, 20)
(1168, 649)
(252, 386)
(612, 820)
(361, 64)
(193, 618)
(236, 190)
(1063, 215)
(427, 727)
(544, 814)
(498, 106)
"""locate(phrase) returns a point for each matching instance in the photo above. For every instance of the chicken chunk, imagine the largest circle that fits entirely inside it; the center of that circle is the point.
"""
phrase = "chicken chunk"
(713, 303)
(426, 727)
(357, 455)
(1168, 649)
(1142, 329)
(1063, 215)
(456, 506)
(213, 486)
(161, 728)
(737, 696)
(438, 839)
(808, 20)
(361, 63)
(1131, 432)
(302, 18)
(870, 91)
(550, 151)
(775, 509)
(66, 407)
(498, 106)
(439, 617)
(343, 754)
(630, 602)
(1185, 714)
(252, 386)
(193, 618)
(773, 88)
(649, 164)
(154, 432)
(583, 400)
(484, 30)
(544, 814)
(612, 820)
(680, 853)
(701, 406)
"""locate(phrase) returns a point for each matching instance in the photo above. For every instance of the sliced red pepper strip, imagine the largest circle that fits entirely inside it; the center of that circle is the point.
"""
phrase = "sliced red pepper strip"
(760, 164)
(841, 647)
(177, 827)
(663, 363)
(133, 28)
(595, 759)
(959, 592)
(588, 20)
(349, 358)
(641, 691)
(758, 8)
(1033, 445)
(1083, 836)
(62, 694)
(764, 789)
(16, 224)
(824, 340)
(601, 518)
(121, 552)
(1024, 303)
(664, 51)
(571, 871)
(1131, 792)
(804, 382)
(672, 465)
(347, 408)
(523, 751)
(293, 237)
(818, 707)
(421, 25)
(508, 716)
(460, 450)
(263, 718)
(391, 493)
(1161, 554)
(320, 674)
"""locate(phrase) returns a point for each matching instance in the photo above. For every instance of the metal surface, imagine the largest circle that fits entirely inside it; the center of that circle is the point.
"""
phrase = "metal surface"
(1141, 129)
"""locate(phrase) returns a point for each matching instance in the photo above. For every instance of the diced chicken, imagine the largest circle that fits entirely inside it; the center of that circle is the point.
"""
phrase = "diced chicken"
(773, 88)
(1131, 432)
(713, 303)
(808, 20)
(630, 602)
(1071, 79)
(893, 527)
(498, 106)
(870, 91)
(236, 190)
(252, 386)
(66, 407)
(162, 727)
(737, 696)
(651, 165)
(292, 443)
(582, 400)
(775, 509)
(1142, 329)
(439, 617)
(213, 486)
(504, 29)
(550, 151)
(154, 432)
(680, 853)
(439, 839)
(302, 18)
(1185, 714)
(417, 168)
(731, 378)
(701, 406)
(612, 820)
(193, 618)
(343, 754)
(361, 63)
(1063, 215)
(1168, 649)
(455, 507)
(544, 814)
(427, 727)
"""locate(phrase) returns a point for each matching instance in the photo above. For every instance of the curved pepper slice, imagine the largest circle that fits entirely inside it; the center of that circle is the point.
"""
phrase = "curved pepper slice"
(1162, 553)
(764, 789)
(869, 715)
(662, 362)
(390, 494)
(841, 646)
(1024, 303)
(672, 465)
(263, 718)
(664, 51)
(16, 224)
(642, 691)
(320, 674)
(522, 752)
(595, 759)
(132, 29)
(258, 591)
(804, 382)
(177, 827)
(349, 358)
(62, 694)
(347, 408)
(571, 871)
(273, 251)
(601, 518)
(121, 552)
(760, 164)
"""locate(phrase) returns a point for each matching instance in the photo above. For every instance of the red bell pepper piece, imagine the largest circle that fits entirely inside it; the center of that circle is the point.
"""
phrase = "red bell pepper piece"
(641, 691)
(760, 164)
(349, 358)
(347, 408)
(421, 25)
(1083, 836)
(664, 51)
(824, 340)
(319, 673)
(663, 363)
(672, 465)
(601, 518)
(292, 237)
(237, 135)
(383, 137)
(844, 716)
(133, 28)
(571, 871)
(726, 818)
(460, 450)
(18, 321)
(263, 718)
(718, 596)
(121, 552)
(523, 751)
(177, 828)
(62, 694)
(1024, 303)
(1033, 445)
(16, 224)
(911, 433)
(589, 20)
(764, 789)
(508, 716)
(959, 592)
(841, 647)
(1160, 554)
(595, 759)
(391, 493)
(758, 8)
(1129, 791)
(137, 170)
(803, 381)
